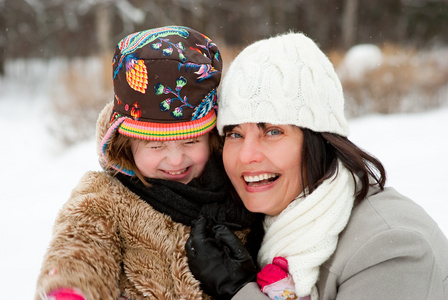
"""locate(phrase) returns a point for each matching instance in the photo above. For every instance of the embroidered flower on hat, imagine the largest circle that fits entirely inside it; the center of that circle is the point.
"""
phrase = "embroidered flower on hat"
(165, 104)
(136, 112)
(169, 50)
(136, 74)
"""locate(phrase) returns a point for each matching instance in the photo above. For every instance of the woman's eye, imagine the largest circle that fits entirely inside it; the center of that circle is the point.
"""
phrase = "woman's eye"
(233, 135)
(274, 132)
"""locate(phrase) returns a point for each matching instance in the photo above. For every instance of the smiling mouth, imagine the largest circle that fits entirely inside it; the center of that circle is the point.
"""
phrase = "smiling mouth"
(261, 179)
(177, 172)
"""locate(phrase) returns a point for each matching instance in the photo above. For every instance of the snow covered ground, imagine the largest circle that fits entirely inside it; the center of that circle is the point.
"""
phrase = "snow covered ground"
(36, 178)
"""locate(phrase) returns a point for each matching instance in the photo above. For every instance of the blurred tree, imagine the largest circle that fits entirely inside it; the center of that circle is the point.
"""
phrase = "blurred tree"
(425, 19)
(2, 38)
(47, 28)
(104, 27)
(349, 23)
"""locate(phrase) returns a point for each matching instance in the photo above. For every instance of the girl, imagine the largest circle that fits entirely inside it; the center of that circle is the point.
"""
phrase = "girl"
(123, 230)
(333, 230)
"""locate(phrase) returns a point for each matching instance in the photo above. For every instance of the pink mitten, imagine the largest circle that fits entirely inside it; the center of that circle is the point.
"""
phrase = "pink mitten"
(65, 294)
(275, 281)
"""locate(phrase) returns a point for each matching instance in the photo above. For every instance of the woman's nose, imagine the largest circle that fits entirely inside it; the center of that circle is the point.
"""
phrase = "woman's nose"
(250, 151)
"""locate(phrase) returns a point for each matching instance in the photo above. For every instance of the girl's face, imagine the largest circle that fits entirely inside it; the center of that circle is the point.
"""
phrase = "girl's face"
(180, 160)
(263, 161)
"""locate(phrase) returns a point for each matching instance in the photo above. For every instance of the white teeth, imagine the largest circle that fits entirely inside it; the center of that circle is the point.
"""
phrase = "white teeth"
(177, 173)
(259, 177)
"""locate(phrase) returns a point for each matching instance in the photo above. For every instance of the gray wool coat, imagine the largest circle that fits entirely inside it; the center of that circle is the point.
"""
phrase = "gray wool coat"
(390, 249)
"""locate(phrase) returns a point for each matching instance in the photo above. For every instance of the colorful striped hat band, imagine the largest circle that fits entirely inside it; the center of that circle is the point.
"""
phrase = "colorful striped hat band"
(168, 131)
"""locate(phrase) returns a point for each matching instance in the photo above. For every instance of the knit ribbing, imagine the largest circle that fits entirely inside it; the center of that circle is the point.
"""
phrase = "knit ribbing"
(306, 232)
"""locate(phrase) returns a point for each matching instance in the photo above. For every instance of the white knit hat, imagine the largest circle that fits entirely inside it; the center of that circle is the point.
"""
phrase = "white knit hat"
(283, 80)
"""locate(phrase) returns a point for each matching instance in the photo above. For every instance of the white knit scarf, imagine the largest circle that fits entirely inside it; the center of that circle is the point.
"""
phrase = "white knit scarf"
(306, 232)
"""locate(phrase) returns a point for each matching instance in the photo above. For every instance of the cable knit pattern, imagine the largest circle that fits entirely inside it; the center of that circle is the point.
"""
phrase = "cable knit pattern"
(283, 80)
(306, 232)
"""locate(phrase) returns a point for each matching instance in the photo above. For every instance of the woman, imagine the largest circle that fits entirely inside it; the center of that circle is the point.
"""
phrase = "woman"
(332, 228)
(121, 234)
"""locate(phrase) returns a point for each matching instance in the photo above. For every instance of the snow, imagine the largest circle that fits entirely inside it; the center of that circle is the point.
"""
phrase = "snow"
(37, 177)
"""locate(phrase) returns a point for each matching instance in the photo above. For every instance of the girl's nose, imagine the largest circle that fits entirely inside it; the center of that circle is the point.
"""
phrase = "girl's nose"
(175, 157)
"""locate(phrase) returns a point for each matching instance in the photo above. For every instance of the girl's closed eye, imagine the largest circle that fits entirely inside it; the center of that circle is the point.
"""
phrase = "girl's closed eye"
(154, 145)
(192, 141)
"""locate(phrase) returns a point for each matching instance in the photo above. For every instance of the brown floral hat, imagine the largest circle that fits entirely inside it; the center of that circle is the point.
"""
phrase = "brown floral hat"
(165, 85)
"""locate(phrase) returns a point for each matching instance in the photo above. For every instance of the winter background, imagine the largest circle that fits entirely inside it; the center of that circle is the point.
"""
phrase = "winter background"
(38, 175)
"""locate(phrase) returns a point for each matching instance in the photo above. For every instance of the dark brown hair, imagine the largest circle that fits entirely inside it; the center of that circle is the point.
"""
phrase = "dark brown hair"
(119, 151)
(320, 155)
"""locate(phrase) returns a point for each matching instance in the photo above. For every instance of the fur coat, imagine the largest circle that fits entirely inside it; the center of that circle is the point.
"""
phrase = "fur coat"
(108, 242)
(117, 244)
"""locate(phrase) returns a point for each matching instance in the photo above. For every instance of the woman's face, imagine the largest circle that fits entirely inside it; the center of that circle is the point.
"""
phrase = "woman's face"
(263, 161)
(180, 160)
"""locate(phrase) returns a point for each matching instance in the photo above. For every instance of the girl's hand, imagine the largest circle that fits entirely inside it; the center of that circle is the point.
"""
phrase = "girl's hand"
(275, 281)
(65, 294)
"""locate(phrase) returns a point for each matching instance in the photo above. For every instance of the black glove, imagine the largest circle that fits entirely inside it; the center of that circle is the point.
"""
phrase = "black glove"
(218, 259)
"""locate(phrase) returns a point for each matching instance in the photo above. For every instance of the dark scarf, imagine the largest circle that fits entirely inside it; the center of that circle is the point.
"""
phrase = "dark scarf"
(209, 196)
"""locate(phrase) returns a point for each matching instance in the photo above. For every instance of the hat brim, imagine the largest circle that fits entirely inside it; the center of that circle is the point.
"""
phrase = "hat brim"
(168, 131)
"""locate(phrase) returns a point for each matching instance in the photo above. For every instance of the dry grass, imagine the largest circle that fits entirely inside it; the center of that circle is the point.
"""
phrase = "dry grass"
(406, 81)
(84, 88)
(228, 53)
